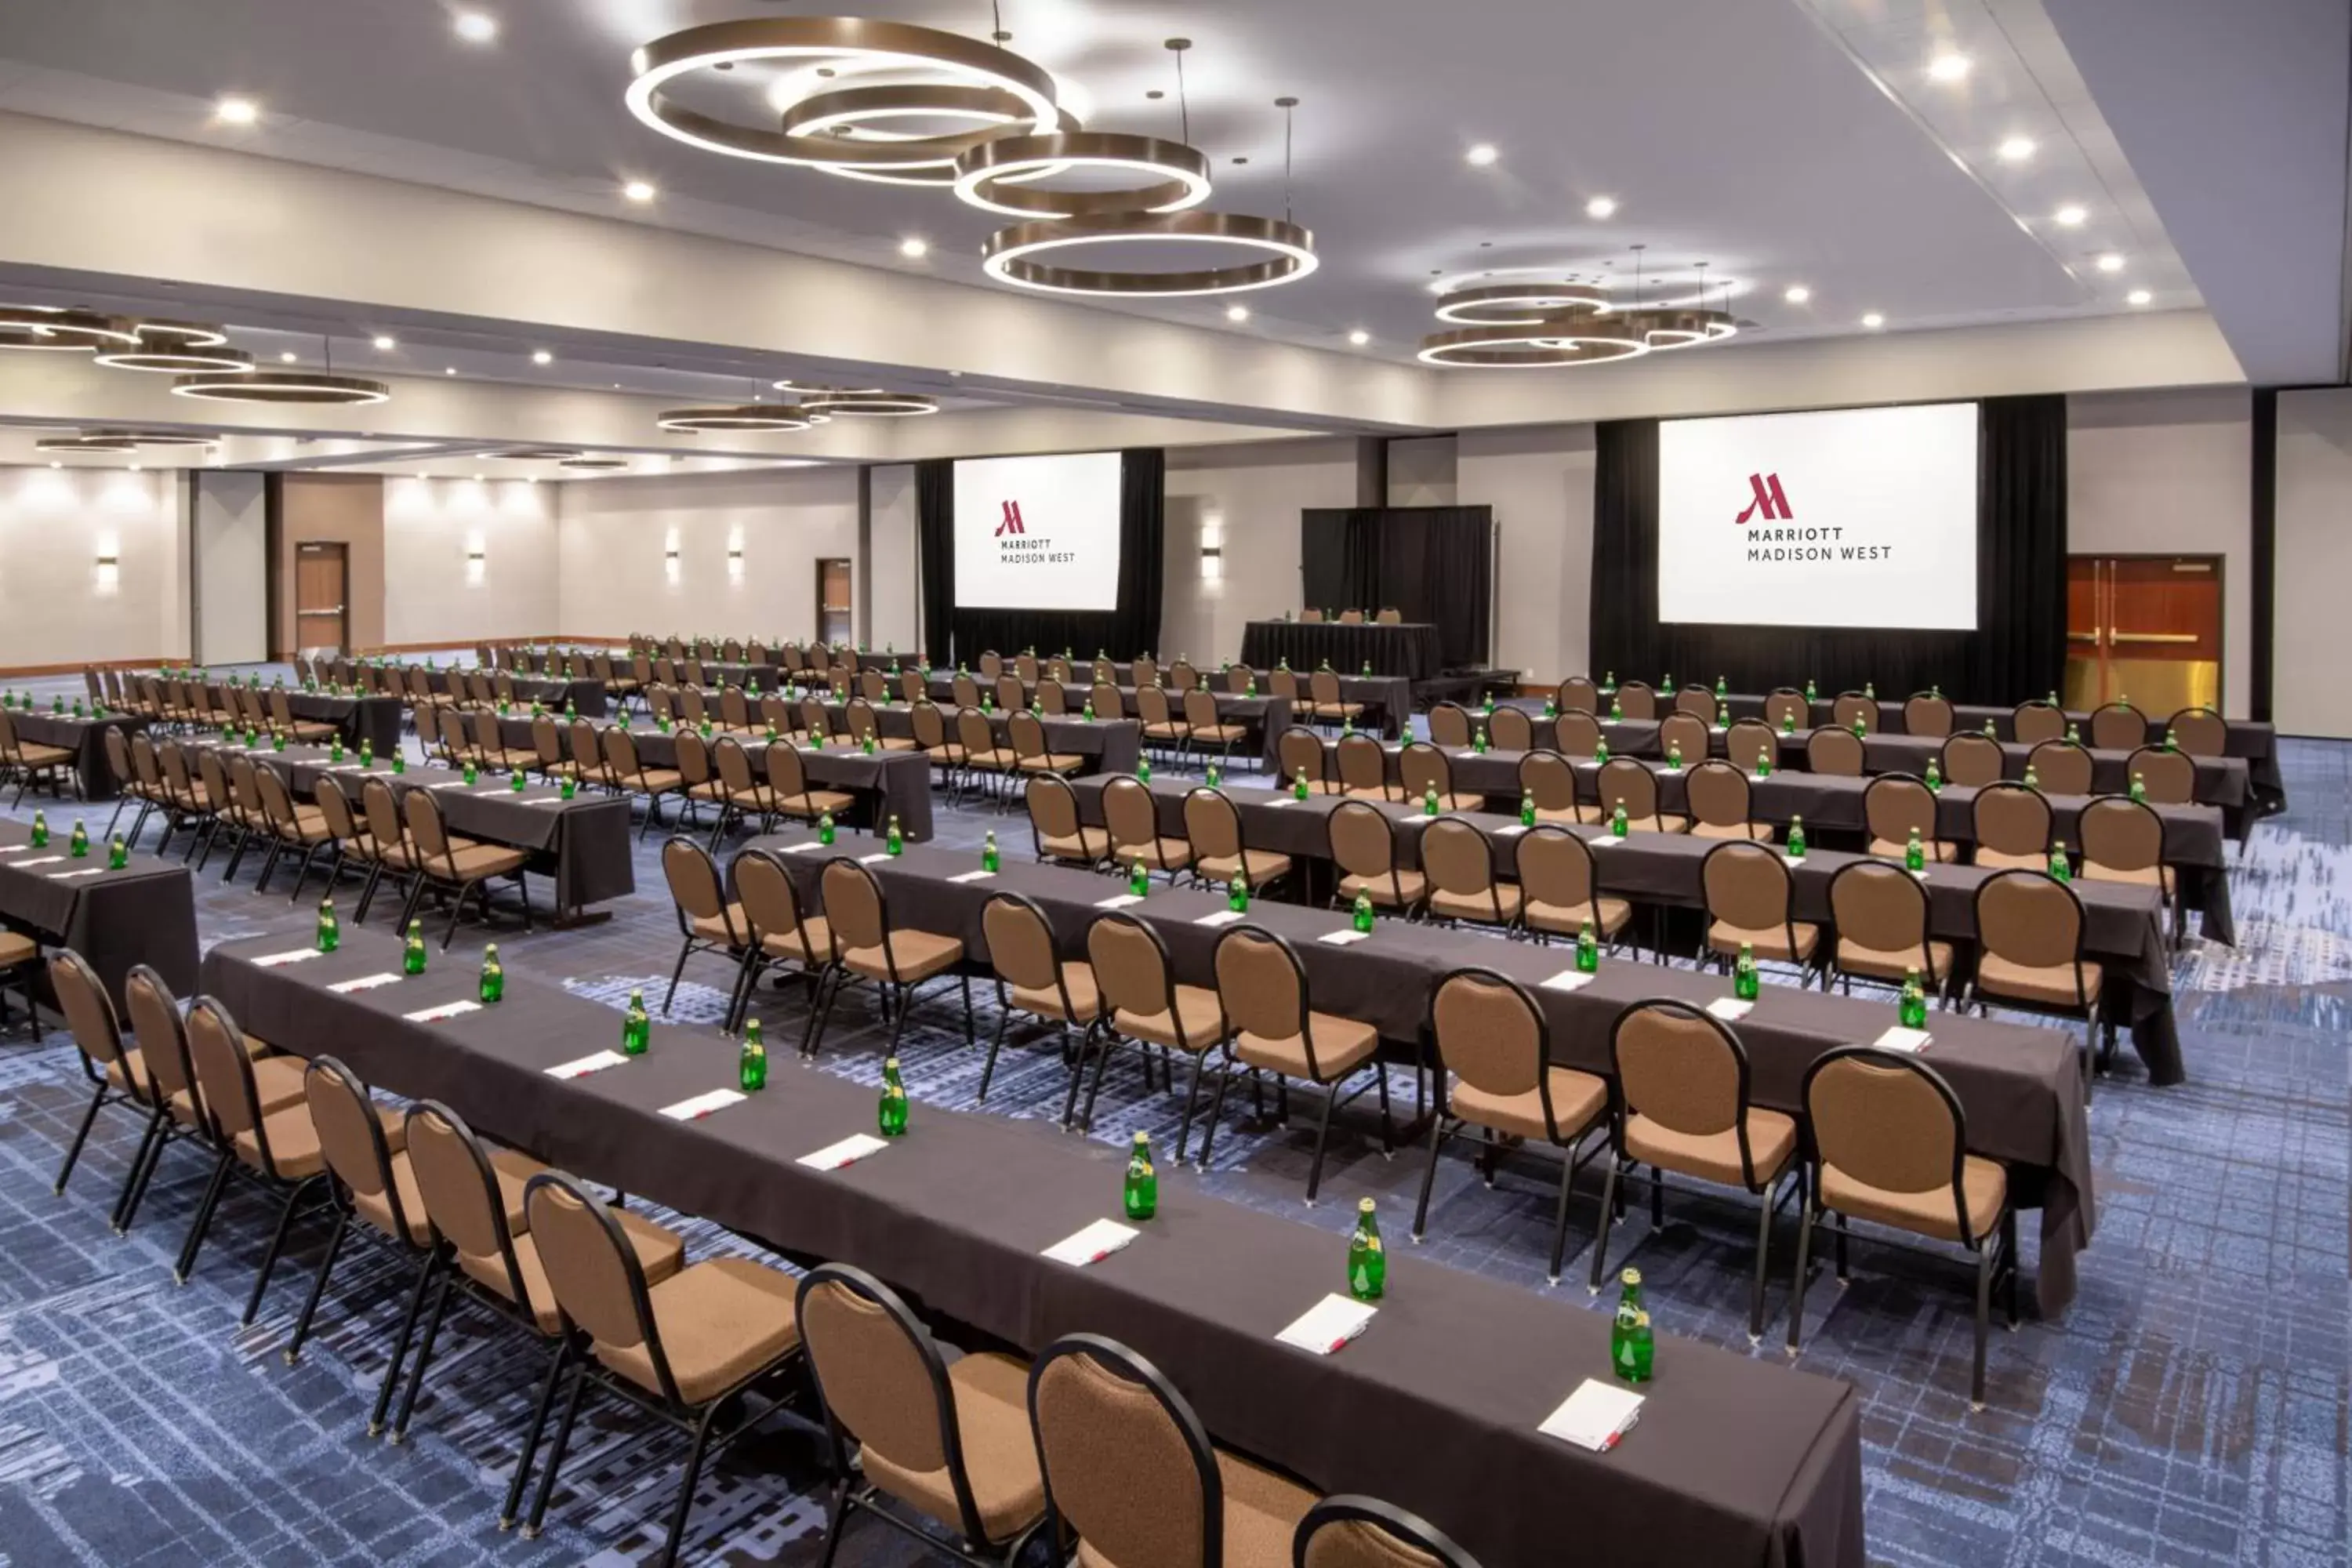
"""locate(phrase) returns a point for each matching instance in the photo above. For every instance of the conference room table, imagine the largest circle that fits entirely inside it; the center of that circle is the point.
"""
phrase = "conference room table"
(1264, 715)
(587, 696)
(886, 783)
(1736, 1460)
(83, 734)
(2123, 922)
(373, 717)
(583, 844)
(2021, 1087)
(1410, 649)
(1109, 745)
(143, 913)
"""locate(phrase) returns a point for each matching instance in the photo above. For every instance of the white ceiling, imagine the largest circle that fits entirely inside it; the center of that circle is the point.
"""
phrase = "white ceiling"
(1784, 141)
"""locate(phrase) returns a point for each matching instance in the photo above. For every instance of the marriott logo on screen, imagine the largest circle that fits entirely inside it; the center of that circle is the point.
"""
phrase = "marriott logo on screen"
(1770, 500)
(1770, 503)
(1016, 546)
(1011, 521)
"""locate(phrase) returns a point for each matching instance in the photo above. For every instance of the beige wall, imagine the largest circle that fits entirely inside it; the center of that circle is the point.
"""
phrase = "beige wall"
(1539, 482)
(346, 509)
(893, 549)
(2311, 692)
(1252, 495)
(432, 595)
(54, 525)
(1423, 471)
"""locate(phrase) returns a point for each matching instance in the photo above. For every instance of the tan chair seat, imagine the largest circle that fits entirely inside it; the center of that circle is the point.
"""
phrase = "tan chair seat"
(2139, 877)
(1174, 730)
(2054, 986)
(514, 1169)
(135, 1079)
(1199, 1009)
(1664, 822)
(1413, 886)
(1159, 854)
(1753, 832)
(473, 860)
(1369, 792)
(949, 753)
(1450, 802)
(1891, 963)
(1088, 845)
(659, 1252)
(653, 781)
(729, 927)
(1341, 1044)
(1000, 759)
(1577, 1098)
(720, 1320)
(276, 1084)
(1476, 906)
(760, 797)
(1046, 1002)
(36, 755)
(1264, 867)
(815, 803)
(1609, 916)
(1984, 1184)
(294, 1141)
(1221, 733)
(1714, 1156)
(1942, 851)
(787, 944)
(376, 1208)
(895, 742)
(1336, 710)
(1053, 762)
(1570, 815)
(1770, 942)
(2002, 860)
(920, 954)
(1262, 1514)
(309, 827)
(1000, 1457)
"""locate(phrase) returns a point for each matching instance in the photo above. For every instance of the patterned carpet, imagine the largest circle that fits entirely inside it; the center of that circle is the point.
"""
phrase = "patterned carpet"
(2189, 1411)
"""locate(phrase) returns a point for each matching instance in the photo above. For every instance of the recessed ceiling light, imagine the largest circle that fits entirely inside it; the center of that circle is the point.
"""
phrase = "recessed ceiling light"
(451, 371)
(1948, 68)
(1874, 321)
(287, 357)
(1798, 294)
(1601, 206)
(2111, 262)
(477, 27)
(237, 112)
(1480, 155)
(541, 356)
(384, 343)
(914, 248)
(55, 464)
(639, 191)
(478, 478)
(1360, 337)
(2070, 216)
(138, 467)
(1237, 312)
(2016, 150)
(2138, 296)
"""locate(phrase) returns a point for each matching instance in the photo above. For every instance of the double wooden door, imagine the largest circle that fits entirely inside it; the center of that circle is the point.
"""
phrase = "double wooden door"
(2146, 629)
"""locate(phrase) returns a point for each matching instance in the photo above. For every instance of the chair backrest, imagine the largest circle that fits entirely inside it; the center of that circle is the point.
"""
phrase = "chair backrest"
(2010, 818)
(1681, 729)
(693, 879)
(1053, 807)
(1556, 869)
(1301, 750)
(224, 1076)
(1362, 765)
(1548, 778)
(1323, 687)
(2061, 767)
(929, 724)
(1449, 724)
(1128, 1466)
(1511, 730)
(383, 809)
(2119, 727)
(1882, 908)
(144, 763)
(592, 1269)
(1011, 695)
(1181, 675)
(1785, 706)
(1130, 812)
(1363, 842)
(1699, 703)
(2121, 833)
(692, 706)
(816, 717)
(734, 708)
(1749, 739)
(547, 740)
(1637, 701)
(1896, 805)
(1132, 969)
(974, 734)
(2169, 777)
(1684, 1070)
(1211, 824)
(2200, 732)
(621, 754)
(587, 748)
(1283, 682)
(2030, 919)
(1717, 795)
(335, 806)
(1310, 616)
(1238, 678)
(1052, 698)
(1102, 672)
(860, 720)
(1351, 617)
(1020, 943)
(1578, 694)
(1927, 714)
(1106, 701)
(1834, 750)
(659, 702)
(1890, 1121)
(1491, 1035)
(1264, 988)
(1151, 705)
(855, 909)
(873, 686)
(1422, 767)
(243, 775)
(89, 1015)
(1459, 860)
(1577, 733)
(1345, 1530)
(276, 801)
(770, 899)
(1748, 886)
(426, 831)
(1025, 665)
(734, 766)
(1626, 782)
(1027, 735)
(1974, 760)
(2035, 722)
(1143, 670)
(351, 1136)
(1200, 709)
(1852, 707)
(163, 1036)
(214, 773)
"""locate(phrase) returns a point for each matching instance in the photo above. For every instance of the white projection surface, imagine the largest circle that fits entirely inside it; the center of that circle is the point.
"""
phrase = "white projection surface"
(1037, 533)
(1864, 517)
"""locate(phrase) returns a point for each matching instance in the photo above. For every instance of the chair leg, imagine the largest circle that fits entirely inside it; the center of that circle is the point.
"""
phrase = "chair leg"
(969, 1038)
(555, 1453)
(555, 1365)
(203, 1220)
(367, 892)
(1608, 1221)
(457, 910)
(686, 1484)
(1763, 1266)
(138, 1161)
(1986, 1258)
(2009, 1246)
(1429, 1174)
(1804, 1258)
(276, 1245)
(1079, 1073)
(1560, 1219)
(435, 1263)
(73, 1149)
(996, 1043)
(685, 950)
(1322, 1134)
(1102, 1061)
(319, 1284)
(1216, 1109)
(824, 1016)
(1192, 1098)
(135, 1192)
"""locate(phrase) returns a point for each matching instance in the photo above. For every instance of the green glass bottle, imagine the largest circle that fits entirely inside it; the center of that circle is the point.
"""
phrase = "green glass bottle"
(570, 784)
(1139, 1195)
(1429, 801)
(1935, 777)
(335, 749)
(1860, 726)
(1601, 750)
(1363, 914)
(894, 843)
(824, 828)
(1588, 949)
(1526, 809)
(1915, 854)
(1216, 775)
(636, 1027)
(1812, 692)
(1551, 708)
(1139, 880)
(2138, 787)
(1368, 669)
(330, 929)
(493, 986)
(1609, 683)
(516, 782)
(1622, 1326)
(2172, 739)
(399, 763)
(1237, 895)
(1722, 689)
(2059, 869)
(1619, 824)
(1346, 726)
(1299, 788)
(40, 830)
(1674, 755)
(118, 854)
(1763, 763)
(2074, 735)
(1913, 1009)
(1870, 689)
(1666, 682)
(892, 1114)
(1478, 740)
(751, 1062)
(1368, 1262)
(412, 952)
(1144, 769)
(278, 740)
(1796, 838)
(2032, 777)
(1745, 983)
(79, 845)
(469, 775)
(1252, 689)
(870, 745)
(989, 858)
(1640, 1349)
(1616, 708)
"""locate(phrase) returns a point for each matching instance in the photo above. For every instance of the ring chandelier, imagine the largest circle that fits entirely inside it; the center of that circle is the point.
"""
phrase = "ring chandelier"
(755, 417)
(46, 331)
(1550, 323)
(178, 348)
(867, 403)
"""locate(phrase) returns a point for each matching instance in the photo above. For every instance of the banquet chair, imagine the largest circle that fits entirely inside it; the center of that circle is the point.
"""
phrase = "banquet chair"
(1052, 698)
(1025, 666)
(1144, 1003)
(1894, 807)
(1751, 903)
(547, 746)
(1129, 1469)
(1011, 695)
(693, 711)
(2119, 727)
(1213, 827)
(1636, 700)
(1721, 804)
(741, 797)
(1699, 703)
(1181, 675)
(983, 757)
(251, 817)
(869, 945)
(698, 780)
(1887, 1142)
(457, 867)
(631, 776)
(1310, 618)
(1239, 677)
(1973, 760)
(1578, 694)
(734, 710)
(389, 833)
(913, 688)
(964, 691)
(1852, 708)
(1786, 708)
(873, 686)
(1928, 714)
(1880, 915)
(1303, 752)
(1626, 782)
(2011, 825)
(1494, 1039)
(1032, 978)
(1351, 617)
(1577, 733)
(1560, 889)
(863, 722)
(1031, 754)
(1132, 814)
(1423, 768)
(1686, 730)
(779, 927)
(2061, 767)
(816, 720)
(586, 743)
(1275, 1029)
(1548, 780)
(2123, 841)
(1389, 616)
(708, 921)
(1449, 725)
(1459, 861)
(2035, 722)
(347, 833)
(1835, 753)
(129, 786)
(1106, 701)
(685, 1349)
(1283, 682)
(1204, 726)
(116, 1073)
(1511, 730)
(218, 810)
(789, 795)
(491, 750)
(1749, 739)
(291, 825)
(2166, 778)
(1102, 672)
(1345, 1530)
(1682, 1105)
(1161, 727)
(948, 1443)
(2030, 929)
(304, 730)
(2200, 732)
(1142, 671)
(1055, 828)
(1325, 701)
(1363, 846)
(32, 762)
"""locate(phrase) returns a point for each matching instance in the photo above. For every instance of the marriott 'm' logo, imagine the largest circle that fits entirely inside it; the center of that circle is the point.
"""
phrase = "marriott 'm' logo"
(1770, 501)
(1012, 520)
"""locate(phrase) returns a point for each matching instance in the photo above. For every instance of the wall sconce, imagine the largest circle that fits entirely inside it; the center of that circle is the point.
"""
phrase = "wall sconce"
(1212, 549)
(110, 573)
(669, 557)
(735, 564)
(477, 560)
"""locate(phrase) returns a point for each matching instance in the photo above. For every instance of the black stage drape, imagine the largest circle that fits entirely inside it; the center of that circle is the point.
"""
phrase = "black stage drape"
(954, 634)
(2019, 649)
(1431, 564)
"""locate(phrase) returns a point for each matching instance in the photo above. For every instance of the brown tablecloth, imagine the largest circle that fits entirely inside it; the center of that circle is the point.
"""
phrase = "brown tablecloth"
(84, 737)
(144, 913)
(1410, 649)
(1736, 1461)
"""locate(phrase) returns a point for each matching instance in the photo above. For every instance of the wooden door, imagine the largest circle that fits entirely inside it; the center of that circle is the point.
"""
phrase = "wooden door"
(833, 616)
(321, 611)
(2146, 629)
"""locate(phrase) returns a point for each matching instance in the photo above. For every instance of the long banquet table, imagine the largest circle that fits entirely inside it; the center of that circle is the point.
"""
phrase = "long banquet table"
(144, 913)
(1410, 649)
(83, 734)
(1736, 1460)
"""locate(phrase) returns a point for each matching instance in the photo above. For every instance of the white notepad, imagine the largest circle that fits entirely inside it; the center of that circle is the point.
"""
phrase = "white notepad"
(1344, 938)
(1221, 917)
(1278, 802)
(1119, 901)
(1329, 1324)
(1567, 980)
(1792, 859)
(809, 847)
(848, 1152)
(450, 783)
(365, 981)
(446, 1010)
(1595, 1416)
(85, 871)
(547, 800)
(1909, 1041)
(874, 859)
(1603, 841)
(14, 849)
(44, 860)
(272, 960)
(583, 1065)
(1513, 831)
(1092, 1244)
(982, 875)
(702, 1105)
(1730, 1009)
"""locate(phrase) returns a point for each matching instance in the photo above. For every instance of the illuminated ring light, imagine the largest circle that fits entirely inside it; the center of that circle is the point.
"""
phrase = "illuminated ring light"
(1542, 345)
(869, 404)
(1179, 176)
(874, 43)
(1681, 328)
(600, 464)
(61, 332)
(300, 386)
(155, 437)
(844, 112)
(755, 417)
(537, 454)
(1519, 304)
(86, 443)
(1008, 256)
(179, 348)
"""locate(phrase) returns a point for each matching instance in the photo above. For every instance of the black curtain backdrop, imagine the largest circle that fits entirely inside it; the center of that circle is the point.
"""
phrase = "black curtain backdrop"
(1433, 564)
(2019, 650)
(953, 635)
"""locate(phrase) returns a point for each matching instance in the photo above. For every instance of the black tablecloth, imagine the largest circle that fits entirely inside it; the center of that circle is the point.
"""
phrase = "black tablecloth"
(888, 784)
(1409, 651)
(144, 913)
(84, 737)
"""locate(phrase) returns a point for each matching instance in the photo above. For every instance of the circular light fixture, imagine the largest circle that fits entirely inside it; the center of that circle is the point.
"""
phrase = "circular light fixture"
(2016, 149)
(62, 331)
(1560, 341)
(477, 27)
(599, 465)
(866, 43)
(2111, 262)
(859, 116)
(297, 386)
(178, 348)
(86, 443)
(988, 176)
(867, 403)
(1518, 304)
(537, 454)
(541, 356)
(2070, 216)
(155, 438)
(1010, 253)
(1949, 66)
(750, 416)
(1681, 328)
